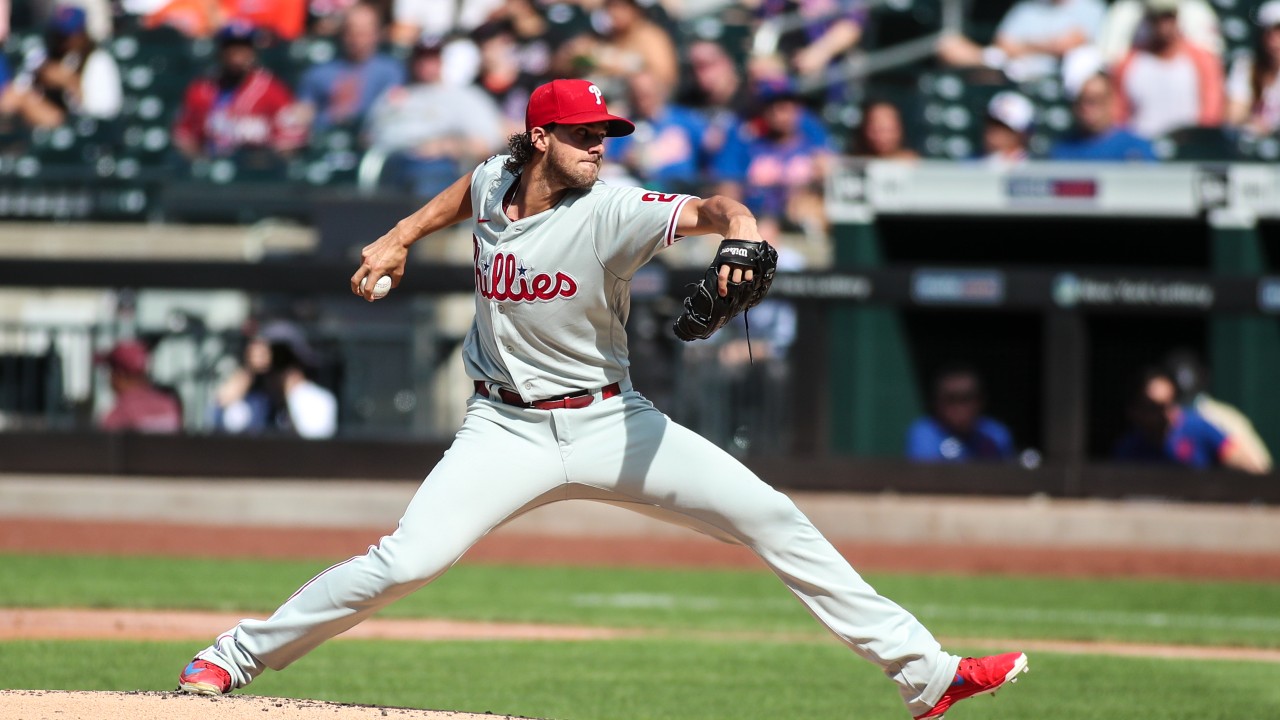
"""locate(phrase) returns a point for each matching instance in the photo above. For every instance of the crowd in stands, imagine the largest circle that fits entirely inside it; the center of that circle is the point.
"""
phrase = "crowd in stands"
(433, 86)
(1137, 70)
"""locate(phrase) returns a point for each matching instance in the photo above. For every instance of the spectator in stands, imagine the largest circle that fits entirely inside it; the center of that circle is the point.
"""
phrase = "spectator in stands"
(631, 43)
(69, 76)
(535, 36)
(502, 74)
(140, 406)
(1008, 126)
(1126, 25)
(718, 94)
(776, 161)
(1031, 40)
(881, 135)
(433, 131)
(285, 19)
(1165, 432)
(5, 73)
(663, 151)
(1192, 379)
(193, 18)
(825, 33)
(241, 105)
(412, 19)
(1168, 82)
(341, 91)
(324, 17)
(957, 431)
(1097, 136)
(1253, 88)
(97, 15)
(272, 391)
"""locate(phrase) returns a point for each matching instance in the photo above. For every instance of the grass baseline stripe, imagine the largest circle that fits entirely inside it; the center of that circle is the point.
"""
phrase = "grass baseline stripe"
(1120, 618)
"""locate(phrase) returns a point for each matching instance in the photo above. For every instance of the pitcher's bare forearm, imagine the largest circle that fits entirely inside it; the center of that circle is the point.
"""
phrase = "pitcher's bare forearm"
(387, 255)
(718, 214)
(450, 207)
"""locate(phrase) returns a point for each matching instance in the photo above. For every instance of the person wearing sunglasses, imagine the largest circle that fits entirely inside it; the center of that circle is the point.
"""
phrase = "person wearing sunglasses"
(957, 430)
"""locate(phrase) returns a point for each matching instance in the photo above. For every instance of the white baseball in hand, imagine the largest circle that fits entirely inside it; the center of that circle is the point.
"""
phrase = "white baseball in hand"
(380, 288)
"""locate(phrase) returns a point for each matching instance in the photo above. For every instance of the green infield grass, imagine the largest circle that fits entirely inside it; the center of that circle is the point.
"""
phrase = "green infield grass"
(668, 679)
(1203, 613)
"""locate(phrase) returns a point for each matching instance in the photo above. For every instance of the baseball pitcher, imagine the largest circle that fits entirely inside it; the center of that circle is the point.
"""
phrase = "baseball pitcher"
(554, 251)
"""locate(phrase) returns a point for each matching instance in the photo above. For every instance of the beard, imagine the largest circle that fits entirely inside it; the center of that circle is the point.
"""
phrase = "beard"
(230, 78)
(571, 173)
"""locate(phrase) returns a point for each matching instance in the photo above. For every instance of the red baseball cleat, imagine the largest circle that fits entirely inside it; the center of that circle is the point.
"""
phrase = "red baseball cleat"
(977, 676)
(202, 677)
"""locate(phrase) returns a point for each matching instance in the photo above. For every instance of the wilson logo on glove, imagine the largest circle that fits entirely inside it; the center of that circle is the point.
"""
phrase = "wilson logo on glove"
(705, 311)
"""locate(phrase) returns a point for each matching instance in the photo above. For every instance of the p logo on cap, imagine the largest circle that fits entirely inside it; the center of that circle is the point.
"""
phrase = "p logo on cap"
(573, 102)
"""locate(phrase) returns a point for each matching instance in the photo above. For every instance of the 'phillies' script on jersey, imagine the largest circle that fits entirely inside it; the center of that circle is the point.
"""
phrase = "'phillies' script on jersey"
(505, 277)
(553, 289)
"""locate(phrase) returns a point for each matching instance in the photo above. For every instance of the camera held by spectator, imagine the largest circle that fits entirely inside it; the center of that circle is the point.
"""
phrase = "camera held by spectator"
(271, 391)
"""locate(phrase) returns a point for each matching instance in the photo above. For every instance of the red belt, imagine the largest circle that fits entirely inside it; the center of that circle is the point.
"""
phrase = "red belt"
(579, 399)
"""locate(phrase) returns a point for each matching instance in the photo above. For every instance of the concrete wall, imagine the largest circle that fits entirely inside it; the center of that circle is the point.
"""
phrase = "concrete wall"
(1024, 522)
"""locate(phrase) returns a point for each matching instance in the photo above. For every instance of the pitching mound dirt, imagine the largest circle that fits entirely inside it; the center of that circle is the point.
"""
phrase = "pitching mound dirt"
(60, 705)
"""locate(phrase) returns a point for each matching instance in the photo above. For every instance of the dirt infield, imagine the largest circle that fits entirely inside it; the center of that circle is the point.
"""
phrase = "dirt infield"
(86, 624)
(133, 625)
(60, 535)
(62, 705)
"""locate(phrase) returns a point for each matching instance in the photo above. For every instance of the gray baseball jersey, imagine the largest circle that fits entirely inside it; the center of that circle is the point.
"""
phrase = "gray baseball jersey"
(551, 301)
(553, 289)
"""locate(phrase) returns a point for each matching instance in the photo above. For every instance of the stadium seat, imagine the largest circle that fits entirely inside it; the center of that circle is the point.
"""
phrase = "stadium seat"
(14, 137)
(1199, 144)
(149, 144)
(155, 66)
(952, 111)
(895, 22)
(65, 152)
(332, 157)
(1266, 149)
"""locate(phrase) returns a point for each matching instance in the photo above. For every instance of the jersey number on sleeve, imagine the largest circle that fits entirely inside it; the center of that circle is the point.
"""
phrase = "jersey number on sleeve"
(658, 197)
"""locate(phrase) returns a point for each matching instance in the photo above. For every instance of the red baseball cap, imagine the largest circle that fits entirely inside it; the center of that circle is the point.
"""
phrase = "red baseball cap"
(128, 356)
(573, 102)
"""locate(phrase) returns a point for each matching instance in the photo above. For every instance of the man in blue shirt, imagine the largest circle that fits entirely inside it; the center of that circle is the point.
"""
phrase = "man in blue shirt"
(1097, 135)
(1165, 432)
(663, 152)
(341, 91)
(781, 153)
(957, 431)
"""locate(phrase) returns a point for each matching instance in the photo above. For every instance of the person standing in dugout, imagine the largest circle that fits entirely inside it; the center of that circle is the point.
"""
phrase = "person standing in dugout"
(554, 250)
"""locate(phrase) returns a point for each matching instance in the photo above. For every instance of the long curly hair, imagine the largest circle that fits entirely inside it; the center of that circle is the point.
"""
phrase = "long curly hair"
(520, 147)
